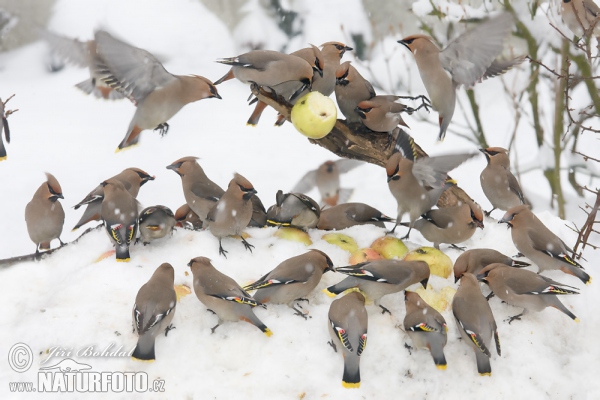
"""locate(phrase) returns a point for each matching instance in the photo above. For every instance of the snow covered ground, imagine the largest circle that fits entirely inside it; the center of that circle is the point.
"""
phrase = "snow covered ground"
(70, 301)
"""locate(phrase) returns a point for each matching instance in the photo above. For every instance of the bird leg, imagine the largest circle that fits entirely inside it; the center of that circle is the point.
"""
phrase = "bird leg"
(62, 243)
(459, 248)
(409, 348)
(489, 296)
(518, 316)
(222, 251)
(299, 313)
(247, 245)
(487, 213)
(169, 328)
(425, 102)
(214, 328)
(306, 300)
(332, 345)
(162, 129)
(406, 237)
(519, 255)
(384, 310)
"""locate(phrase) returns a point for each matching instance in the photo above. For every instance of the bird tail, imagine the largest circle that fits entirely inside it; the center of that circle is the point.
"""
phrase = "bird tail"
(561, 307)
(144, 350)
(2, 151)
(89, 215)
(578, 272)
(88, 86)
(437, 353)
(123, 254)
(132, 138)
(405, 145)
(483, 364)
(339, 287)
(255, 117)
(229, 75)
(251, 318)
(351, 378)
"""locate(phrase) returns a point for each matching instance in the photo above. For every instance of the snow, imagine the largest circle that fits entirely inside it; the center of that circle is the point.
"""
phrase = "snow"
(71, 301)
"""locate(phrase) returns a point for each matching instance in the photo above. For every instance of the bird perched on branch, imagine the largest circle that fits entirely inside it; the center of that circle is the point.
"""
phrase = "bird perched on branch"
(466, 60)
(157, 94)
(350, 89)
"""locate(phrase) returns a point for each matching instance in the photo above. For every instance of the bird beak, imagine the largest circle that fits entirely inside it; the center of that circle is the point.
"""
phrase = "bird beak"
(360, 112)
(405, 295)
(217, 96)
(456, 278)
(478, 223)
(348, 48)
(483, 151)
(402, 42)
(424, 283)
(318, 71)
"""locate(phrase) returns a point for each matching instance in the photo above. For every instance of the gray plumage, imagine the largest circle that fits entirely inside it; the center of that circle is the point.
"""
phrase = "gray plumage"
(346, 215)
(232, 213)
(536, 242)
(426, 327)
(259, 214)
(222, 295)
(44, 214)
(475, 260)
(132, 178)
(475, 321)
(119, 212)
(3, 127)
(156, 222)
(153, 311)
(350, 89)
(499, 184)
(348, 325)
(294, 209)
(188, 219)
(382, 113)
(526, 289)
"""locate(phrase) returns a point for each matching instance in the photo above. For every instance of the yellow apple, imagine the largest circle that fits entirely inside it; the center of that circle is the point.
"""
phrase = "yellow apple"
(314, 115)
(344, 242)
(439, 263)
(390, 247)
(363, 255)
(293, 234)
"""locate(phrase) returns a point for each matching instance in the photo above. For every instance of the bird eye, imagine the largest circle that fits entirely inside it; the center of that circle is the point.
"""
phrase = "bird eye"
(367, 110)
(337, 46)
(409, 41)
(492, 153)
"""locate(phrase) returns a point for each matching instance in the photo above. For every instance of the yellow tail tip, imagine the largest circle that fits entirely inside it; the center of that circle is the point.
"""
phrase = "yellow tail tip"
(74, 229)
(251, 124)
(589, 281)
(442, 367)
(268, 332)
(140, 360)
(577, 320)
(485, 374)
(349, 385)
(3, 158)
(328, 293)
(123, 259)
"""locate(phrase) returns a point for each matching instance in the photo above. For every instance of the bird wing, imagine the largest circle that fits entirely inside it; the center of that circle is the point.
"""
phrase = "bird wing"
(152, 312)
(554, 247)
(470, 333)
(377, 272)
(441, 217)
(307, 182)
(498, 67)
(277, 278)
(231, 291)
(513, 185)
(469, 56)
(344, 165)
(132, 71)
(207, 190)
(71, 50)
(432, 171)
(341, 333)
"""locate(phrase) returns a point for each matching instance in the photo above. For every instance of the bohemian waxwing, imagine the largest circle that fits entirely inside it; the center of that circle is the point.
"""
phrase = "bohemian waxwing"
(346, 215)
(157, 94)
(348, 323)
(131, 178)
(382, 113)
(295, 210)
(119, 212)
(292, 279)
(153, 311)
(44, 215)
(259, 214)
(201, 194)
(156, 222)
(223, 296)
(82, 55)
(350, 89)
(188, 219)
(526, 289)
(499, 184)
(418, 184)
(581, 16)
(451, 225)
(327, 180)
(475, 321)
(476, 259)
(426, 327)
(380, 277)
(278, 71)
(232, 213)
(536, 242)
(466, 60)
(3, 127)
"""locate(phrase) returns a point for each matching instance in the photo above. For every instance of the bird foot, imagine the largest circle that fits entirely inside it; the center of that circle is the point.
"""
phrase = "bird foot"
(511, 319)
(247, 245)
(488, 213)
(162, 129)
(519, 255)
(332, 345)
(213, 329)
(300, 313)
(489, 296)
(409, 348)
(384, 310)
(459, 248)
(425, 102)
(306, 300)
(169, 328)
(222, 251)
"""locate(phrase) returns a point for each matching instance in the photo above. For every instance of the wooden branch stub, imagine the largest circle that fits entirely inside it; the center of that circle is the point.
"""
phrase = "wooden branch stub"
(356, 142)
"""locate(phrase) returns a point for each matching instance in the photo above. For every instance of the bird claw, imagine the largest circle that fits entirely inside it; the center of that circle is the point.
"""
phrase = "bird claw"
(213, 329)
(222, 251)
(409, 348)
(511, 319)
(247, 245)
(489, 296)
(384, 310)
(459, 248)
(300, 313)
(519, 255)
(306, 300)
(162, 129)
(332, 345)
(169, 328)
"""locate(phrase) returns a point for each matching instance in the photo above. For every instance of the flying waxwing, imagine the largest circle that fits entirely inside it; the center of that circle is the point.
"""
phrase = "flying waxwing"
(348, 323)
(157, 94)
(119, 212)
(327, 180)
(187, 219)
(408, 179)
(426, 327)
(581, 16)
(499, 184)
(223, 296)
(475, 321)
(382, 113)
(259, 214)
(131, 178)
(292, 280)
(451, 225)
(201, 194)
(380, 277)
(278, 71)
(295, 210)
(153, 311)
(350, 89)
(536, 242)
(156, 222)
(526, 289)
(82, 55)
(466, 60)
(233, 212)
(3, 127)
(475, 260)
(346, 215)
(44, 215)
